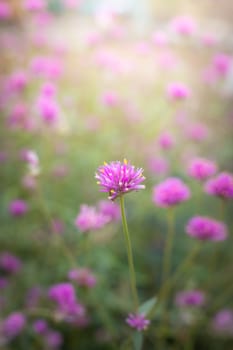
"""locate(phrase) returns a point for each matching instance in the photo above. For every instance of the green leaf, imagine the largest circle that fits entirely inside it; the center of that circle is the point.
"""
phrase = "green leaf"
(137, 340)
(146, 307)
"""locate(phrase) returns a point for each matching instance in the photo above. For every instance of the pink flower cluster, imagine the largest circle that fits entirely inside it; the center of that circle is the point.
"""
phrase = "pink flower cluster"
(170, 192)
(205, 228)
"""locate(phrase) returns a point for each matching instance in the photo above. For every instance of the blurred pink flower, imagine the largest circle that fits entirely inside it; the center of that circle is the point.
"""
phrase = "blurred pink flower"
(90, 219)
(222, 322)
(160, 38)
(18, 207)
(138, 321)
(158, 165)
(184, 25)
(83, 276)
(201, 169)
(178, 91)
(197, 132)
(205, 228)
(17, 81)
(110, 209)
(34, 5)
(222, 63)
(5, 10)
(166, 141)
(194, 297)
(48, 109)
(170, 192)
(13, 325)
(221, 186)
(110, 99)
(10, 263)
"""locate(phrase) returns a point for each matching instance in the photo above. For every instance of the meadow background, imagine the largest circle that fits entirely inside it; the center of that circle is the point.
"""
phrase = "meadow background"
(86, 82)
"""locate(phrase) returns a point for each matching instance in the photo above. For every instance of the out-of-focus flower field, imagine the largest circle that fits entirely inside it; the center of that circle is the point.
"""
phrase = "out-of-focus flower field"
(113, 92)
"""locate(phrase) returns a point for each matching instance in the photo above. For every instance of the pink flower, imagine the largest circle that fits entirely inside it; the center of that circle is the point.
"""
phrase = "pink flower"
(160, 38)
(178, 91)
(158, 165)
(222, 322)
(5, 10)
(193, 297)
(110, 99)
(48, 109)
(48, 89)
(221, 186)
(83, 276)
(166, 141)
(205, 228)
(201, 169)
(13, 325)
(34, 5)
(18, 207)
(9, 263)
(170, 192)
(222, 63)
(118, 178)
(17, 81)
(197, 132)
(90, 219)
(137, 321)
(110, 209)
(184, 25)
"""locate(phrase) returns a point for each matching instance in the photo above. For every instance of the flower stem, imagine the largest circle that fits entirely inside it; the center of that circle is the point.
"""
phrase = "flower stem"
(168, 246)
(130, 255)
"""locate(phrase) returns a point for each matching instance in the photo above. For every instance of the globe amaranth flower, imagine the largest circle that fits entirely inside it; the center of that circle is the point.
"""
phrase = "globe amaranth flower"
(222, 322)
(137, 321)
(83, 276)
(110, 209)
(178, 91)
(90, 219)
(64, 295)
(205, 228)
(193, 297)
(201, 169)
(40, 326)
(13, 325)
(118, 178)
(170, 192)
(9, 263)
(221, 186)
(18, 207)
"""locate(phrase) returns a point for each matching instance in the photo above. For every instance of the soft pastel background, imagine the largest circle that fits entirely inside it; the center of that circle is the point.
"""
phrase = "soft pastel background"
(83, 82)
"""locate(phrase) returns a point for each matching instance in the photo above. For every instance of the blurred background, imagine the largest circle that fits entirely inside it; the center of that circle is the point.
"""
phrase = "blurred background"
(88, 81)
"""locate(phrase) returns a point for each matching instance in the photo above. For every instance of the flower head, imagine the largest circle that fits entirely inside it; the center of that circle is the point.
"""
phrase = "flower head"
(137, 321)
(205, 228)
(13, 325)
(201, 169)
(18, 207)
(110, 209)
(83, 276)
(118, 178)
(223, 322)
(9, 263)
(221, 186)
(193, 297)
(170, 192)
(90, 219)
(178, 91)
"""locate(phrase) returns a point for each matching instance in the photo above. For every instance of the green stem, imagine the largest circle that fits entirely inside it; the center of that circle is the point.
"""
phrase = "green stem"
(130, 255)
(168, 246)
(180, 270)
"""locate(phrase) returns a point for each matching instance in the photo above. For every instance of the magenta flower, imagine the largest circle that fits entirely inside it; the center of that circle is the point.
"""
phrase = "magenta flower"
(137, 321)
(184, 25)
(83, 276)
(170, 192)
(222, 322)
(90, 219)
(9, 263)
(118, 178)
(5, 10)
(222, 63)
(110, 209)
(193, 297)
(13, 325)
(158, 165)
(221, 186)
(48, 109)
(64, 295)
(110, 99)
(205, 228)
(17, 81)
(178, 91)
(197, 132)
(40, 326)
(18, 207)
(34, 5)
(166, 141)
(201, 169)
(53, 339)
